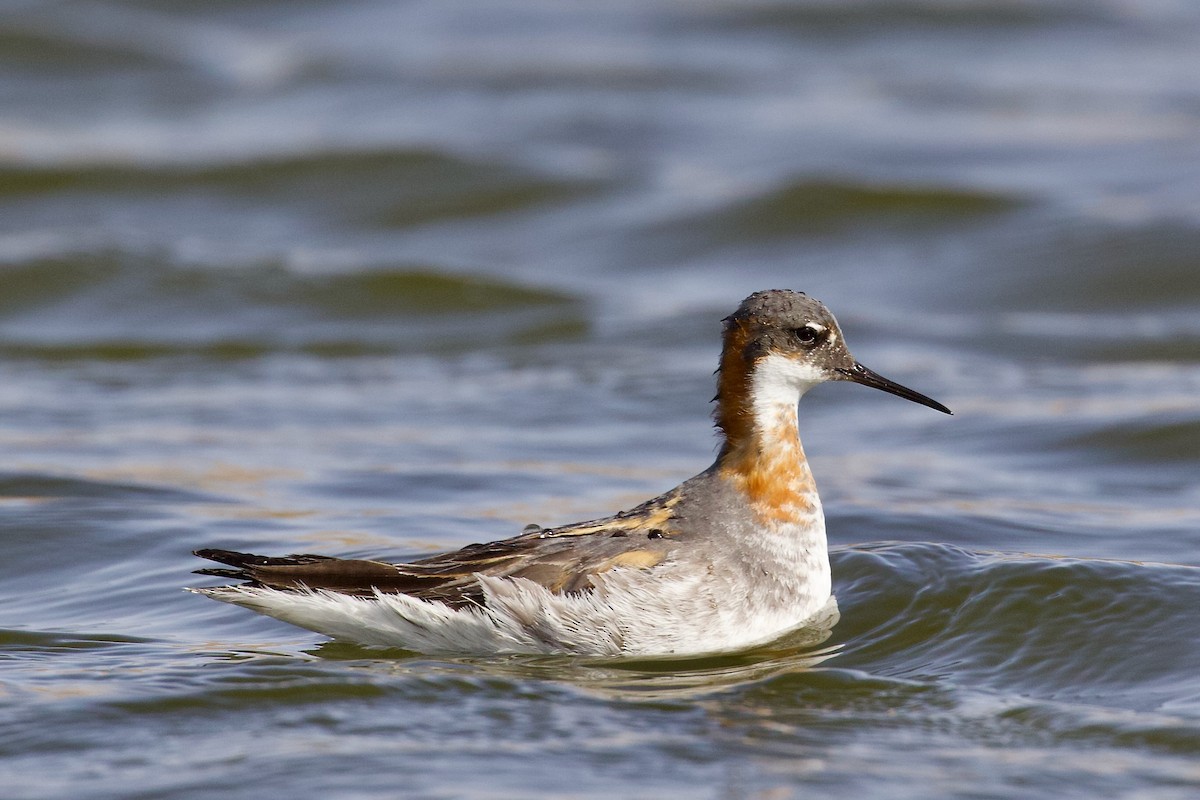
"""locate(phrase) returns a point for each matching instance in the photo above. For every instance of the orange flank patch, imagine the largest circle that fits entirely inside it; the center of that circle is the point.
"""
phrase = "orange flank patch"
(771, 469)
(762, 458)
(734, 416)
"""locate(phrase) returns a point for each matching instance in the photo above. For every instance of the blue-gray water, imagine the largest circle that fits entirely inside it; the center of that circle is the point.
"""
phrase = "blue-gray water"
(372, 278)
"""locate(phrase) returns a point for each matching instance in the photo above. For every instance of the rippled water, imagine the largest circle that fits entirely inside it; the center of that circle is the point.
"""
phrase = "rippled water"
(378, 278)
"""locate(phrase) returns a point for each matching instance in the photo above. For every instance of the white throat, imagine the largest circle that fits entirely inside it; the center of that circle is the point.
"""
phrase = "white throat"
(777, 386)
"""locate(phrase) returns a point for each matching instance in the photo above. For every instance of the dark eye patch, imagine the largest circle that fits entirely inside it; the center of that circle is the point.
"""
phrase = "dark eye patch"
(806, 335)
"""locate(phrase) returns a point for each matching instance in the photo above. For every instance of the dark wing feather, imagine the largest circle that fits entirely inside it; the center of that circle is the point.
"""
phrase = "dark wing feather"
(561, 559)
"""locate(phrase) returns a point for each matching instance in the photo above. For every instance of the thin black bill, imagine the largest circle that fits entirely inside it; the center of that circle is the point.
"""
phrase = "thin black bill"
(860, 374)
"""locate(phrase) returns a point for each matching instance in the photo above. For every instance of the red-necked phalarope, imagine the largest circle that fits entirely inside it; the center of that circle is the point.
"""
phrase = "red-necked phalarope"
(734, 557)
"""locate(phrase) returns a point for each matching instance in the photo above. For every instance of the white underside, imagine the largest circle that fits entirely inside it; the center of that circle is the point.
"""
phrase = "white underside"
(630, 612)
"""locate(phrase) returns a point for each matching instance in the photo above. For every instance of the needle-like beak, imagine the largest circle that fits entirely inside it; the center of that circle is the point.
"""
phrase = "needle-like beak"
(860, 374)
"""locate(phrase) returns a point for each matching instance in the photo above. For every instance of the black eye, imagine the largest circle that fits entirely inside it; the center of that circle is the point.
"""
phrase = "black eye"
(806, 335)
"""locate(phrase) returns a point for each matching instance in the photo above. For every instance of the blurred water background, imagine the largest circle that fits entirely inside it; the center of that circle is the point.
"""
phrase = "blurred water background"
(376, 278)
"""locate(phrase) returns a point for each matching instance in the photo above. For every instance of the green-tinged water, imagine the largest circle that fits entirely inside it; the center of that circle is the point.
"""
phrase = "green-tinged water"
(381, 279)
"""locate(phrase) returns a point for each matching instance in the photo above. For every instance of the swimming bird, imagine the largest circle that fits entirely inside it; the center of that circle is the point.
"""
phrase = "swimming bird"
(733, 557)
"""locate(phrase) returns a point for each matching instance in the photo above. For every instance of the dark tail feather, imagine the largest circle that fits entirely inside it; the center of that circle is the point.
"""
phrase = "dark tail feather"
(222, 573)
(244, 560)
(306, 571)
